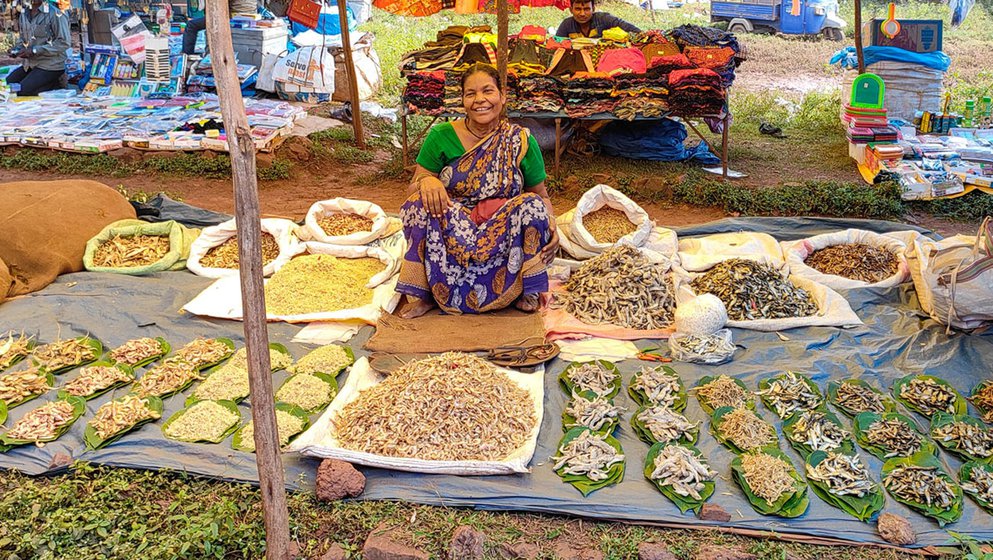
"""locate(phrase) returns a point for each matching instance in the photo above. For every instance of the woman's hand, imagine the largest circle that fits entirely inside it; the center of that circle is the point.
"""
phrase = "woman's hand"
(434, 196)
(551, 248)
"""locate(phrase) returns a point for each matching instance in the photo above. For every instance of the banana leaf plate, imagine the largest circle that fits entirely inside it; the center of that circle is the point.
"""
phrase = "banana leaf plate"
(766, 383)
(832, 389)
(942, 419)
(163, 345)
(639, 396)
(330, 380)
(569, 388)
(240, 444)
(94, 441)
(230, 430)
(645, 434)
(924, 459)
(583, 483)
(49, 378)
(684, 503)
(960, 406)
(864, 420)
(99, 392)
(967, 478)
(847, 446)
(715, 428)
(78, 409)
(985, 410)
(227, 342)
(569, 421)
(348, 351)
(95, 345)
(863, 508)
(749, 402)
(19, 357)
(790, 504)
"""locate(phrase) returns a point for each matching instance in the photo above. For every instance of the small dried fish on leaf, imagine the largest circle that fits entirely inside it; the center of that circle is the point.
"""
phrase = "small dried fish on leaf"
(330, 360)
(890, 435)
(14, 348)
(920, 483)
(97, 379)
(718, 392)
(741, 429)
(59, 357)
(47, 422)
(790, 393)
(962, 435)
(592, 379)
(608, 225)
(168, 378)
(771, 484)
(344, 223)
(681, 473)
(928, 394)
(131, 251)
(658, 424)
(279, 358)
(599, 414)
(855, 261)
(309, 391)
(982, 399)
(976, 478)
(658, 385)
(622, 287)
(751, 290)
(225, 255)
(321, 284)
(229, 382)
(203, 353)
(854, 396)
(203, 421)
(140, 351)
(119, 417)
(589, 461)
(19, 387)
(843, 481)
(817, 430)
(291, 421)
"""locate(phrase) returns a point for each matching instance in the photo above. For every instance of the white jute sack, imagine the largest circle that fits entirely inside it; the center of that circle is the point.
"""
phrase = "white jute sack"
(579, 243)
(282, 230)
(796, 253)
(320, 439)
(313, 232)
(698, 254)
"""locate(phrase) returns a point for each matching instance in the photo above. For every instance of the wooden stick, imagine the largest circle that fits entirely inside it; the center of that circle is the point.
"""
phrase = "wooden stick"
(858, 36)
(246, 199)
(502, 26)
(353, 81)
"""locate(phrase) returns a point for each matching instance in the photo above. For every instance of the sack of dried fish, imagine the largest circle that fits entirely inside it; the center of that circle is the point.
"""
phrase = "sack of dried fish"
(204, 353)
(166, 379)
(589, 461)
(928, 394)
(291, 421)
(309, 391)
(681, 473)
(658, 424)
(789, 393)
(976, 478)
(330, 360)
(343, 221)
(229, 382)
(721, 391)
(47, 422)
(982, 399)
(136, 247)
(119, 417)
(751, 290)
(64, 355)
(741, 429)
(818, 430)
(855, 396)
(19, 387)
(602, 217)
(215, 253)
(920, 482)
(98, 378)
(962, 435)
(849, 259)
(711, 349)
(890, 435)
(608, 225)
(203, 422)
(140, 352)
(14, 348)
(311, 284)
(842, 480)
(658, 386)
(591, 379)
(771, 484)
(599, 414)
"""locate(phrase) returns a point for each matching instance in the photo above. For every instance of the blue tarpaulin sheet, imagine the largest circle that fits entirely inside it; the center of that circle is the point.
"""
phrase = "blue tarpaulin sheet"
(848, 59)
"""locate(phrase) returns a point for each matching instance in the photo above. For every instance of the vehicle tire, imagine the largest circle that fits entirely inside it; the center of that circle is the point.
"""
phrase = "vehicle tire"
(833, 34)
(738, 29)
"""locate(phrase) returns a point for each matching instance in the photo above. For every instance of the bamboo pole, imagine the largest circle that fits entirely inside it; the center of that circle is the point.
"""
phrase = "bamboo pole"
(502, 27)
(246, 197)
(353, 82)
(858, 36)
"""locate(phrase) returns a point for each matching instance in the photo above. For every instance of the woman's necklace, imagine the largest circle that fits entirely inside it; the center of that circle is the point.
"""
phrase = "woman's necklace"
(471, 131)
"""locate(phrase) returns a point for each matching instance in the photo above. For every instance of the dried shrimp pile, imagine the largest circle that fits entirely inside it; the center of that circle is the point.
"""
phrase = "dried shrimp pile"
(594, 414)
(608, 225)
(95, 379)
(320, 283)
(43, 422)
(664, 424)
(230, 381)
(306, 391)
(225, 255)
(13, 349)
(855, 261)
(768, 477)
(921, 485)
(287, 426)
(723, 391)
(588, 455)
(856, 399)
(658, 385)
(57, 355)
(929, 396)
(18, 385)
(680, 469)
(131, 251)
(344, 223)
(966, 437)
(815, 430)
(203, 351)
(169, 377)
(203, 420)
(620, 287)
(277, 360)
(752, 290)
(453, 407)
(328, 359)
(119, 415)
(844, 475)
(789, 393)
(746, 430)
(900, 439)
(593, 378)
(136, 351)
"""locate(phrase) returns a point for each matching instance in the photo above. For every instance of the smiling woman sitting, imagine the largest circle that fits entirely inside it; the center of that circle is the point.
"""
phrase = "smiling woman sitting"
(479, 224)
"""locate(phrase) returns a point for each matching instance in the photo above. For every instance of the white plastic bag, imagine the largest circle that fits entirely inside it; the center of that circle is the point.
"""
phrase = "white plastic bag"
(320, 209)
(711, 349)
(579, 243)
(266, 80)
(307, 67)
(796, 253)
(282, 230)
(698, 254)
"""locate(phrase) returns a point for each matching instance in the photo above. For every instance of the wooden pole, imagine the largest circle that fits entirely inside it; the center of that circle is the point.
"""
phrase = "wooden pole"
(502, 26)
(858, 36)
(353, 82)
(246, 199)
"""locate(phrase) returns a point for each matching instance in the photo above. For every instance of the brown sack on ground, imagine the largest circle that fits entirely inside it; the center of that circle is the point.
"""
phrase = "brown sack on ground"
(44, 227)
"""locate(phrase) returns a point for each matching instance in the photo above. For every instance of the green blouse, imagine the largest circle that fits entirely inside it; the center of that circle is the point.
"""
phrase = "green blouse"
(442, 146)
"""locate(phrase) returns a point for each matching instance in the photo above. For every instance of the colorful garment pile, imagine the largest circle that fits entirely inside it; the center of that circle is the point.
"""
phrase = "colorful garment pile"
(687, 36)
(634, 107)
(429, 59)
(453, 93)
(524, 58)
(425, 91)
(640, 85)
(538, 94)
(589, 94)
(696, 92)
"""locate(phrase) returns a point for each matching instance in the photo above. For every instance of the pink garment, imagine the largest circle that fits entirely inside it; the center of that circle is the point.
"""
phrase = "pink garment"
(630, 60)
(486, 209)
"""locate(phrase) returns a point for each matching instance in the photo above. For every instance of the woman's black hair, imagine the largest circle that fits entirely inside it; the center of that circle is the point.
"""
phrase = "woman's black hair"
(487, 69)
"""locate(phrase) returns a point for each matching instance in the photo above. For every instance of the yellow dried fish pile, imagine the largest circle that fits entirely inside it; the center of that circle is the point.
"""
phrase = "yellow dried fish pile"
(723, 391)
(608, 225)
(344, 223)
(328, 359)
(63, 353)
(119, 415)
(768, 477)
(94, 379)
(287, 426)
(15, 386)
(230, 381)
(165, 378)
(746, 430)
(135, 351)
(453, 407)
(203, 351)
(13, 348)
(225, 255)
(204, 420)
(42, 423)
(320, 283)
(306, 391)
(856, 261)
(131, 251)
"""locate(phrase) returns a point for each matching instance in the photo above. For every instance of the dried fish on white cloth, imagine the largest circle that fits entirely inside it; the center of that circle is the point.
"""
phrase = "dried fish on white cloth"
(743, 428)
(594, 414)
(844, 475)
(588, 455)
(751, 290)
(121, 414)
(768, 477)
(42, 423)
(900, 439)
(658, 385)
(856, 261)
(680, 469)
(965, 437)
(789, 393)
(929, 396)
(723, 391)
(19, 385)
(815, 430)
(665, 424)
(921, 485)
(592, 377)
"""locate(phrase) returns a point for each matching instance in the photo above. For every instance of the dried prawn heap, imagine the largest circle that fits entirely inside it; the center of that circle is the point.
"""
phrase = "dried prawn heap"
(119, 415)
(328, 359)
(980, 484)
(13, 349)
(856, 399)
(277, 359)
(855, 261)
(768, 477)
(723, 391)
(225, 255)
(965, 437)
(95, 379)
(306, 391)
(171, 376)
(815, 430)
(287, 426)
(202, 352)
(900, 439)
(594, 414)
(920, 485)
(658, 385)
(203, 420)
(929, 396)
(588, 455)
(131, 251)
(230, 381)
(844, 475)
(63, 353)
(752, 290)
(344, 223)
(136, 351)
(608, 225)
(321, 283)
(620, 287)
(593, 378)
(680, 469)
(665, 424)
(746, 430)
(789, 393)
(42, 423)
(19, 385)
(453, 407)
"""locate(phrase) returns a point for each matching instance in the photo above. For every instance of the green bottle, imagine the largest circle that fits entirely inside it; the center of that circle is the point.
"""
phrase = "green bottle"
(970, 107)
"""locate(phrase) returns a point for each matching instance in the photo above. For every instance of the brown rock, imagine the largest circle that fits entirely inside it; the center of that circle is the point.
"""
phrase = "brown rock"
(337, 480)
(60, 460)
(569, 551)
(380, 546)
(603, 179)
(335, 552)
(126, 155)
(467, 544)
(896, 529)
(519, 551)
(715, 552)
(711, 512)
(264, 160)
(297, 148)
(654, 551)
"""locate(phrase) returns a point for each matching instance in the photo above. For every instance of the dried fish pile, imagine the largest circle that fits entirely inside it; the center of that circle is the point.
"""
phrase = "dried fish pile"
(19, 385)
(665, 425)
(121, 414)
(344, 223)
(62, 354)
(170, 376)
(855, 399)
(980, 484)
(306, 391)
(202, 421)
(595, 414)
(608, 225)
(855, 261)
(588, 455)
(42, 423)
(320, 283)
(620, 287)
(966, 438)
(680, 469)
(136, 351)
(453, 407)
(920, 485)
(745, 430)
(227, 383)
(790, 393)
(591, 377)
(225, 255)
(277, 360)
(203, 352)
(752, 290)
(817, 432)
(131, 251)
(900, 439)
(13, 348)
(328, 359)
(768, 477)
(95, 379)
(982, 397)
(723, 391)
(843, 475)
(928, 396)
(658, 385)
(287, 426)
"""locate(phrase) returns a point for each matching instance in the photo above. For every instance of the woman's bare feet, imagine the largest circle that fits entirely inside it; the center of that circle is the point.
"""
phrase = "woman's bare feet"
(416, 307)
(528, 303)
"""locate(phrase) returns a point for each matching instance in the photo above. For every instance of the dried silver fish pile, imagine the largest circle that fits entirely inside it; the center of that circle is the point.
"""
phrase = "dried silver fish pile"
(593, 378)
(588, 455)
(680, 469)
(980, 484)
(452, 407)
(751, 290)
(665, 424)
(594, 414)
(746, 430)
(899, 438)
(966, 437)
(768, 477)
(855, 261)
(723, 391)
(42, 423)
(620, 287)
(921, 485)
(929, 396)
(856, 399)
(844, 475)
(789, 393)
(660, 386)
(816, 431)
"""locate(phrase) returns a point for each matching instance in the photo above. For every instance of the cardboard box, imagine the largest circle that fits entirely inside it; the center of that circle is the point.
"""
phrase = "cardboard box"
(916, 35)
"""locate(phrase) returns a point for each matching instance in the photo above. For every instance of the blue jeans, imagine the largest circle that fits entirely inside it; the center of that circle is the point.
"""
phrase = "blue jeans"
(193, 28)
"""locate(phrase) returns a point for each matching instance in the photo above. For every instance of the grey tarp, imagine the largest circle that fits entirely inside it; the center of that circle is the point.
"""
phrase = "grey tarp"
(894, 341)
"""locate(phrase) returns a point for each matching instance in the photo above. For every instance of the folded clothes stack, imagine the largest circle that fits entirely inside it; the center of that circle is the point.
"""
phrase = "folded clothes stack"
(640, 85)
(695, 92)
(687, 36)
(633, 107)
(425, 92)
(429, 59)
(538, 94)
(588, 94)
(524, 58)
(453, 92)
